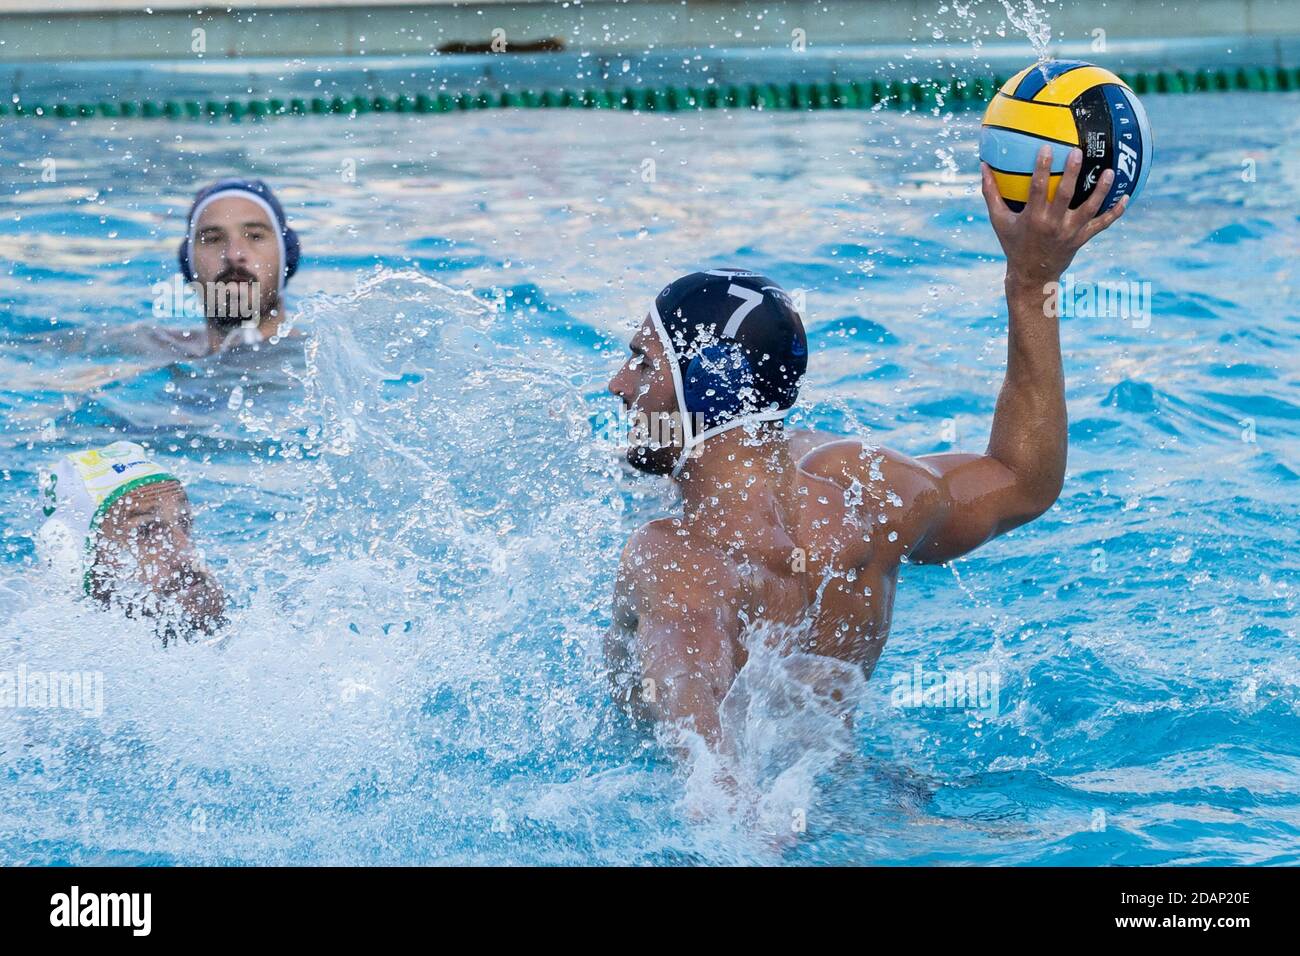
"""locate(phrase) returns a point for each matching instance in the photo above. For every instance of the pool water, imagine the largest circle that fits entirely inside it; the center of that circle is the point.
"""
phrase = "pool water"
(407, 504)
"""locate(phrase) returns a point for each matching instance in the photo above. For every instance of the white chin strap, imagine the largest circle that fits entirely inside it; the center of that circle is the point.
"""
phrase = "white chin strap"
(691, 440)
(270, 217)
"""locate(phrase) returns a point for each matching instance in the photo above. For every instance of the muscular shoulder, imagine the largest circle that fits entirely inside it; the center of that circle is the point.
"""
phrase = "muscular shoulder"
(848, 461)
(904, 489)
(666, 563)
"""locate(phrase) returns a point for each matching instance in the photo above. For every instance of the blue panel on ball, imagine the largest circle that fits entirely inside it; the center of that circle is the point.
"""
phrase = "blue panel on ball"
(1129, 157)
(1035, 80)
(1011, 152)
(1144, 131)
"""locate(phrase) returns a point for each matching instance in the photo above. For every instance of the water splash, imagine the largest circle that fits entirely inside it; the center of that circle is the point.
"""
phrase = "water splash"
(1032, 21)
(785, 722)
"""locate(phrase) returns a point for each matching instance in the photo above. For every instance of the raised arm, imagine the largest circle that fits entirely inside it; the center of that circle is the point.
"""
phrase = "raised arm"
(1021, 472)
(947, 505)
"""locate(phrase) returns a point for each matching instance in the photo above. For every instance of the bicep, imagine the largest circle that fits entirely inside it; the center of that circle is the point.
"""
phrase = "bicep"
(966, 501)
(676, 612)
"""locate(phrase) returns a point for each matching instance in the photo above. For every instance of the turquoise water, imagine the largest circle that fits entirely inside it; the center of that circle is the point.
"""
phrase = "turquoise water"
(407, 504)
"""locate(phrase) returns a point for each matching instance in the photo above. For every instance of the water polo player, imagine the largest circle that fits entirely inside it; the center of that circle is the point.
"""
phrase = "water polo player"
(239, 251)
(118, 528)
(806, 532)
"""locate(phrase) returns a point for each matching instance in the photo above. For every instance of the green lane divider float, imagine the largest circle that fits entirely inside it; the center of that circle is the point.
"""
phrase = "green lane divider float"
(866, 94)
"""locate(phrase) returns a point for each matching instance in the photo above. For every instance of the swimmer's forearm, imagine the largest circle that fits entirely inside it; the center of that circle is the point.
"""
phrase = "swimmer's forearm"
(1029, 427)
(1029, 433)
(689, 704)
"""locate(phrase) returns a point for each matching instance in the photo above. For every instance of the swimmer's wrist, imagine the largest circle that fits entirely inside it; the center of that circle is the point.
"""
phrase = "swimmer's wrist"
(1021, 282)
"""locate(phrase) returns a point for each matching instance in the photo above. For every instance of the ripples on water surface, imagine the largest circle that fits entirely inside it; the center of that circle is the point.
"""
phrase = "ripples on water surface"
(422, 551)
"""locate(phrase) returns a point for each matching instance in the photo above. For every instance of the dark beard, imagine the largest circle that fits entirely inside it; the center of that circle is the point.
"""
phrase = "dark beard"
(655, 442)
(227, 311)
(652, 461)
(224, 323)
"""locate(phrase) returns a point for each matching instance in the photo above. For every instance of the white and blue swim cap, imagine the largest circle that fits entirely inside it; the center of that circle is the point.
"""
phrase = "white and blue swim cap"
(258, 192)
(76, 494)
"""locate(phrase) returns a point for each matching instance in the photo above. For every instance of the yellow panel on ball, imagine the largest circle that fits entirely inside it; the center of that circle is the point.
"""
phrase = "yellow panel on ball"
(1042, 120)
(1015, 186)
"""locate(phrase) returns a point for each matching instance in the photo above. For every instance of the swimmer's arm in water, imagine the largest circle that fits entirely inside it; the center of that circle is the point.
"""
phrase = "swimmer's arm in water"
(953, 503)
(679, 629)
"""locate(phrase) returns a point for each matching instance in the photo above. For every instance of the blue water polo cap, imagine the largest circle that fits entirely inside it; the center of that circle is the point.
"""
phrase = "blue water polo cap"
(736, 348)
(260, 193)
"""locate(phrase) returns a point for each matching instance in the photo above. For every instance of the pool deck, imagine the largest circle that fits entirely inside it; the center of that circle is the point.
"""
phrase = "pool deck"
(181, 31)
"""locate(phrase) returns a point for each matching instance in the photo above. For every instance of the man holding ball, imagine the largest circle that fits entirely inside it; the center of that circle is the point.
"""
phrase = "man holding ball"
(803, 533)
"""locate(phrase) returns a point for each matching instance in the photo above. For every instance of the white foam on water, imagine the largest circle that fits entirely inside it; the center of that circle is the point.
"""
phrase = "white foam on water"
(425, 614)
